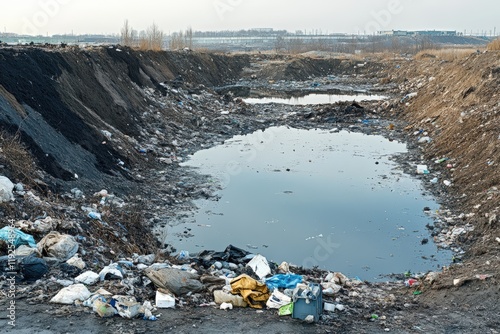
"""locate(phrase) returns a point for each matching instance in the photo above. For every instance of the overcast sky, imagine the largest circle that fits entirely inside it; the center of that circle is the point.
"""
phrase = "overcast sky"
(107, 16)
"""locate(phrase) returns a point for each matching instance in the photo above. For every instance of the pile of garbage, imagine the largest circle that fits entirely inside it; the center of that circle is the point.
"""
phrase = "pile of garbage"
(53, 269)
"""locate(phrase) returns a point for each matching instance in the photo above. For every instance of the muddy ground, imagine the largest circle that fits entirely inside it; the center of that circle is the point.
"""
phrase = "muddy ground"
(140, 114)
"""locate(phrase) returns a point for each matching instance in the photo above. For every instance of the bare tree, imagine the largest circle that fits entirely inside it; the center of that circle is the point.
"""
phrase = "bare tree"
(155, 37)
(126, 34)
(177, 40)
(143, 41)
(295, 45)
(180, 40)
(189, 37)
(279, 43)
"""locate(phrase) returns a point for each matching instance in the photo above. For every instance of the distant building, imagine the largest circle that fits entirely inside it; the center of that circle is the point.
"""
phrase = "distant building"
(267, 30)
(417, 33)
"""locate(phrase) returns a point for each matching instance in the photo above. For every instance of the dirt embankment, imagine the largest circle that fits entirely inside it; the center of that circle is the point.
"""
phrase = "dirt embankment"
(68, 103)
(457, 105)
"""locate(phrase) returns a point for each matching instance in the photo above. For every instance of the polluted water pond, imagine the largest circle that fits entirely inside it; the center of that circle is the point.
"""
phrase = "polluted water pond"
(335, 200)
(315, 99)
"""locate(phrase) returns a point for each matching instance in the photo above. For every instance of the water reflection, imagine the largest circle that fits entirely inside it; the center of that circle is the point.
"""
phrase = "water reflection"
(314, 198)
(316, 99)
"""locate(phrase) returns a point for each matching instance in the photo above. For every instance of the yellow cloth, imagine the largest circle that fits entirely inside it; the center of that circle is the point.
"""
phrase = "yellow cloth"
(253, 292)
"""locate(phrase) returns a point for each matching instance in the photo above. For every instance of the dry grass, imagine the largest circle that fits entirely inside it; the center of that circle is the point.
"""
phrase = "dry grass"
(445, 54)
(16, 156)
(495, 45)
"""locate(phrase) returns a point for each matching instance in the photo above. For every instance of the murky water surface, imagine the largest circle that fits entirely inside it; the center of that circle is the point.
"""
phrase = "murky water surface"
(314, 198)
(316, 99)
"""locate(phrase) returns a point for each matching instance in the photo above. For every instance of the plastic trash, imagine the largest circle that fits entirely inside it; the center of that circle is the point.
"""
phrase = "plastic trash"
(113, 271)
(87, 278)
(33, 268)
(25, 250)
(260, 266)
(146, 311)
(146, 259)
(149, 316)
(76, 262)
(177, 281)
(183, 255)
(424, 140)
(39, 226)
(94, 215)
(422, 169)
(104, 309)
(329, 307)
(127, 306)
(285, 281)
(309, 319)
(340, 307)
(65, 282)
(284, 267)
(6, 187)
(330, 288)
(278, 299)
(223, 297)
(308, 301)
(411, 282)
(164, 299)
(254, 293)
(230, 254)
(16, 236)
(409, 96)
(70, 294)
(286, 309)
(225, 306)
(60, 246)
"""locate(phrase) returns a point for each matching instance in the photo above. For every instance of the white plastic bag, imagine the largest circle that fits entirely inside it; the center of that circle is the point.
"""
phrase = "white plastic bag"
(260, 266)
(70, 294)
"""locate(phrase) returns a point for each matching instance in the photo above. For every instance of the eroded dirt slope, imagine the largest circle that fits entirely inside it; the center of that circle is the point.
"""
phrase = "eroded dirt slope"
(67, 102)
(458, 107)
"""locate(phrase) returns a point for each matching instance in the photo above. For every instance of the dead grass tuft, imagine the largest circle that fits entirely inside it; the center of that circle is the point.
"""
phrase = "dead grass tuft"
(445, 54)
(495, 45)
(17, 157)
